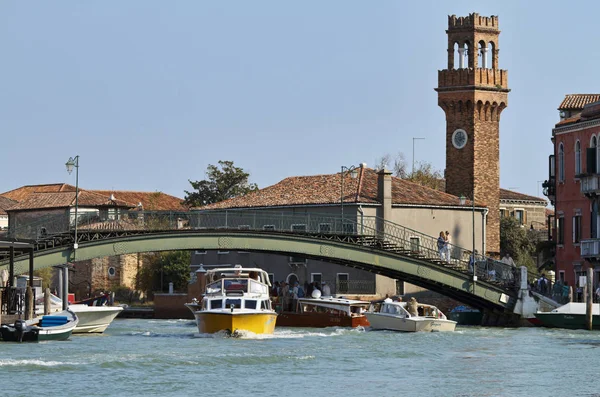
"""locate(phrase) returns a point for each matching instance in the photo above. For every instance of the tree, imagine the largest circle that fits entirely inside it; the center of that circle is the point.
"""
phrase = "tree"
(224, 181)
(424, 174)
(166, 267)
(520, 244)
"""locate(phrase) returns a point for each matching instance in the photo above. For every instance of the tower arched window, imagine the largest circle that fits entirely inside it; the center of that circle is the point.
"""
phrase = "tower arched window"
(597, 154)
(561, 163)
(482, 59)
(577, 158)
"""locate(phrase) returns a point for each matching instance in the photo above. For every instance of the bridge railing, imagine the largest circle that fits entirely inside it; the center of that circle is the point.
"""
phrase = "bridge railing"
(372, 230)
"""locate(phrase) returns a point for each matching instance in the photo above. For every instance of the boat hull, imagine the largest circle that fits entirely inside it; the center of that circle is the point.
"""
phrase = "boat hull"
(566, 320)
(319, 320)
(393, 323)
(443, 326)
(94, 319)
(210, 322)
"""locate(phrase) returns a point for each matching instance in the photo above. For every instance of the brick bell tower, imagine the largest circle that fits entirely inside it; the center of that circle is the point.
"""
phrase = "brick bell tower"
(473, 91)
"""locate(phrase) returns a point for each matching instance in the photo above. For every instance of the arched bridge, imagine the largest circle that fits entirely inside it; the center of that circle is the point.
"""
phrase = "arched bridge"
(367, 243)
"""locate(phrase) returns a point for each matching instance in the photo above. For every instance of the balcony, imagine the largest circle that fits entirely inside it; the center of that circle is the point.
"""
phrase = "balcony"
(590, 248)
(590, 184)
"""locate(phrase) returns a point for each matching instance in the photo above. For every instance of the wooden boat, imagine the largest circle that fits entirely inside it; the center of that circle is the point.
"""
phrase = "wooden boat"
(394, 316)
(235, 300)
(570, 316)
(320, 312)
(56, 326)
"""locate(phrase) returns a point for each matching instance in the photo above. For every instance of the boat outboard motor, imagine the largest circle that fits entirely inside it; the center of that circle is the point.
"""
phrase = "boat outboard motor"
(20, 327)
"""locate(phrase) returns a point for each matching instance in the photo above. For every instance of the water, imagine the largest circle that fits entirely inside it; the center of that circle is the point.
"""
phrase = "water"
(169, 358)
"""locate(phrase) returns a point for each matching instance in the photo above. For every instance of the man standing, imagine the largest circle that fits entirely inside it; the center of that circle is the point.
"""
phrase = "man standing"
(326, 291)
(448, 246)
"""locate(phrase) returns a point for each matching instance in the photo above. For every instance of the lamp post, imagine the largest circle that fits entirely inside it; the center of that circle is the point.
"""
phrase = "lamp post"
(353, 171)
(74, 162)
(413, 159)
(463, 200)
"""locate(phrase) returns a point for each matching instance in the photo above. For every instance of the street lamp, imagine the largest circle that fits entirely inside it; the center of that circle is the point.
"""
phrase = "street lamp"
(353, 171)
(413, 159)
(74, 162)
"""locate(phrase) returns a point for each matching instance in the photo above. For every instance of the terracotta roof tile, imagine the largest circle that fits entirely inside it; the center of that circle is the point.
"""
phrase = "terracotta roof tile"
(5, 203)
(24, 192)
(326, 189)
(577, 101)
(151, 201)
(510, 195)
(67, 199)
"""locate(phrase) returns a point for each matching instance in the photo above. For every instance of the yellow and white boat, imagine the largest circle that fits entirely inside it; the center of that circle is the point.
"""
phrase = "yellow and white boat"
(236, 299)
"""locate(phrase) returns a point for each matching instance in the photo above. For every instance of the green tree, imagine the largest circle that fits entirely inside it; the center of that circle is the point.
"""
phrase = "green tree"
(163, 268)
(424, 174)
(520, 244)
(223, 182)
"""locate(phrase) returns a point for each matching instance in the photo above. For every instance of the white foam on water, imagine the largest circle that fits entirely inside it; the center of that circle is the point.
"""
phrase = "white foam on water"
(39, 363)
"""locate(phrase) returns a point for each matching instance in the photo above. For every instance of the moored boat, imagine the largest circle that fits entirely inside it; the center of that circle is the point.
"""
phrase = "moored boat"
(319, 312)
(235, 300)
(464, 315)
(570, 316)
(391, 315)
(56, 326)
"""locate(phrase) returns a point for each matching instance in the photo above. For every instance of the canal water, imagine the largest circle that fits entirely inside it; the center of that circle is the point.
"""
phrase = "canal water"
(169, 358)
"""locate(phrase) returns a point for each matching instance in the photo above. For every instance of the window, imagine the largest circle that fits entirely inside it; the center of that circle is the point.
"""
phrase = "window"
(216, 304)
(399, 287)
(415, 243)
(272, 278)
(269, 227)
(299, 228)
(250, 304)
(318, 277)
(561, 275)
(112, 271)
(561, 163)
(520, 216)
(577, 229)
(502, 212)
(561, 230)
(577, 158)
(297, 259)
(244, 227)
(324, 227)
(348, 228)
(342, 283)
(200, 252)
(222, 252)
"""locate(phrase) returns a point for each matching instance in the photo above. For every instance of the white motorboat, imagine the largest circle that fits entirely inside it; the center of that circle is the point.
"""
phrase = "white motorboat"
(92, 319)
(394, 316)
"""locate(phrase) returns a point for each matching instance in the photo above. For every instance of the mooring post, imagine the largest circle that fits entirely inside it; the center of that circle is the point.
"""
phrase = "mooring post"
(0, 307)
(47, 301)
(590, 299)
(29, 303)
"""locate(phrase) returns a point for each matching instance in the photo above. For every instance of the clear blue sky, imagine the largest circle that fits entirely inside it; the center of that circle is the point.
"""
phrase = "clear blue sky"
(149, 93)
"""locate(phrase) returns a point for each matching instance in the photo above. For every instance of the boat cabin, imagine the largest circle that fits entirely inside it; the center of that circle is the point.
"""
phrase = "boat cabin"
(332, 306)
(237, 288)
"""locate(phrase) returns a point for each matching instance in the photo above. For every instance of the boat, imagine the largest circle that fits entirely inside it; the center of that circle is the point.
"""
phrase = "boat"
(319, 312)
(393, 315)
(56, 326)
(570, 316)
(236, 300)
(94, 315)
(464, 315)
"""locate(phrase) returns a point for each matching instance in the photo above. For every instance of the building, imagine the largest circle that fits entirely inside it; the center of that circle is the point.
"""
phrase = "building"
(35, 203)
(530, 211)
(370, 193)
(4, 204)
(573, 187)
(473, 92)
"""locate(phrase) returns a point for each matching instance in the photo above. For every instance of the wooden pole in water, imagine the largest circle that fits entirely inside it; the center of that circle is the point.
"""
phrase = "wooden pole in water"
(590, 298)
(29, 303)
(0, 307)
(47, 301)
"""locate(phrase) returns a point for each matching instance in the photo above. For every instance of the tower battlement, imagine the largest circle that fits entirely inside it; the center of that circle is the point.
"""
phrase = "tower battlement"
(472, 21)
(480, 78)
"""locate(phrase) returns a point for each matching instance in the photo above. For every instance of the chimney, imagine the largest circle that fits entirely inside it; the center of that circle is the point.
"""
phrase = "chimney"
(384, 193)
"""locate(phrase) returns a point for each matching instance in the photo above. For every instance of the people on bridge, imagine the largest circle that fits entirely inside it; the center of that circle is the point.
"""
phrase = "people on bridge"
(448, 246)
(598, 293)
(325, 290)
(441, 244)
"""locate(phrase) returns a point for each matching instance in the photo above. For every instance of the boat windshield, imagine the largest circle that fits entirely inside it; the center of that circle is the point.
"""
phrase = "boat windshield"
(236, 284)
(214, 288)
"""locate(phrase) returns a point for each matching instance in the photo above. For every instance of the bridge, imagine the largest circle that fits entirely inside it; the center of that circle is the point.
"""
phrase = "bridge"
(367, 243)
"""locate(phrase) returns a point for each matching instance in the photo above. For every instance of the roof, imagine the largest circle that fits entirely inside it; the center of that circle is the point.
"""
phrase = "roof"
(5, 203)
(151, 201)
(326, 189)
(578, 101)
(509, 195)
(67, 199)
(24, 192)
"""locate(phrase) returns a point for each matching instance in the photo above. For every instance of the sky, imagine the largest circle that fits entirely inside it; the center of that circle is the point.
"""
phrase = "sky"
(149, 93)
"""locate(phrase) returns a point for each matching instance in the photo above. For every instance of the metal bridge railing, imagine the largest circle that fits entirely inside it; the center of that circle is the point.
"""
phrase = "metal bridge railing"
(369, 231)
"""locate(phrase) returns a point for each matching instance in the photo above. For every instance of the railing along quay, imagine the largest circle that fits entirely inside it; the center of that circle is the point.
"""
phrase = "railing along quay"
(376, 233)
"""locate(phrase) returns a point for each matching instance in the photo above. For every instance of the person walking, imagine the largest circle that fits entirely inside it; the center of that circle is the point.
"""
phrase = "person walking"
(441, 243)
(448, 246)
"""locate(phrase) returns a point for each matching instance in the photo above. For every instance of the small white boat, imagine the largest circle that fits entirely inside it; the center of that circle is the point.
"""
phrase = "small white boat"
(394, 316)
(236, 299)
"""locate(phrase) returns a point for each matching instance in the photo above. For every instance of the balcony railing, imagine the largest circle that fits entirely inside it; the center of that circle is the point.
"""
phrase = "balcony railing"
(590, 184)
(590, 248)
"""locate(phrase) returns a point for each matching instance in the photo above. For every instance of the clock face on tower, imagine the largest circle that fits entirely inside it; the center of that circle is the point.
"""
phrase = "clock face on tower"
(459, 138)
